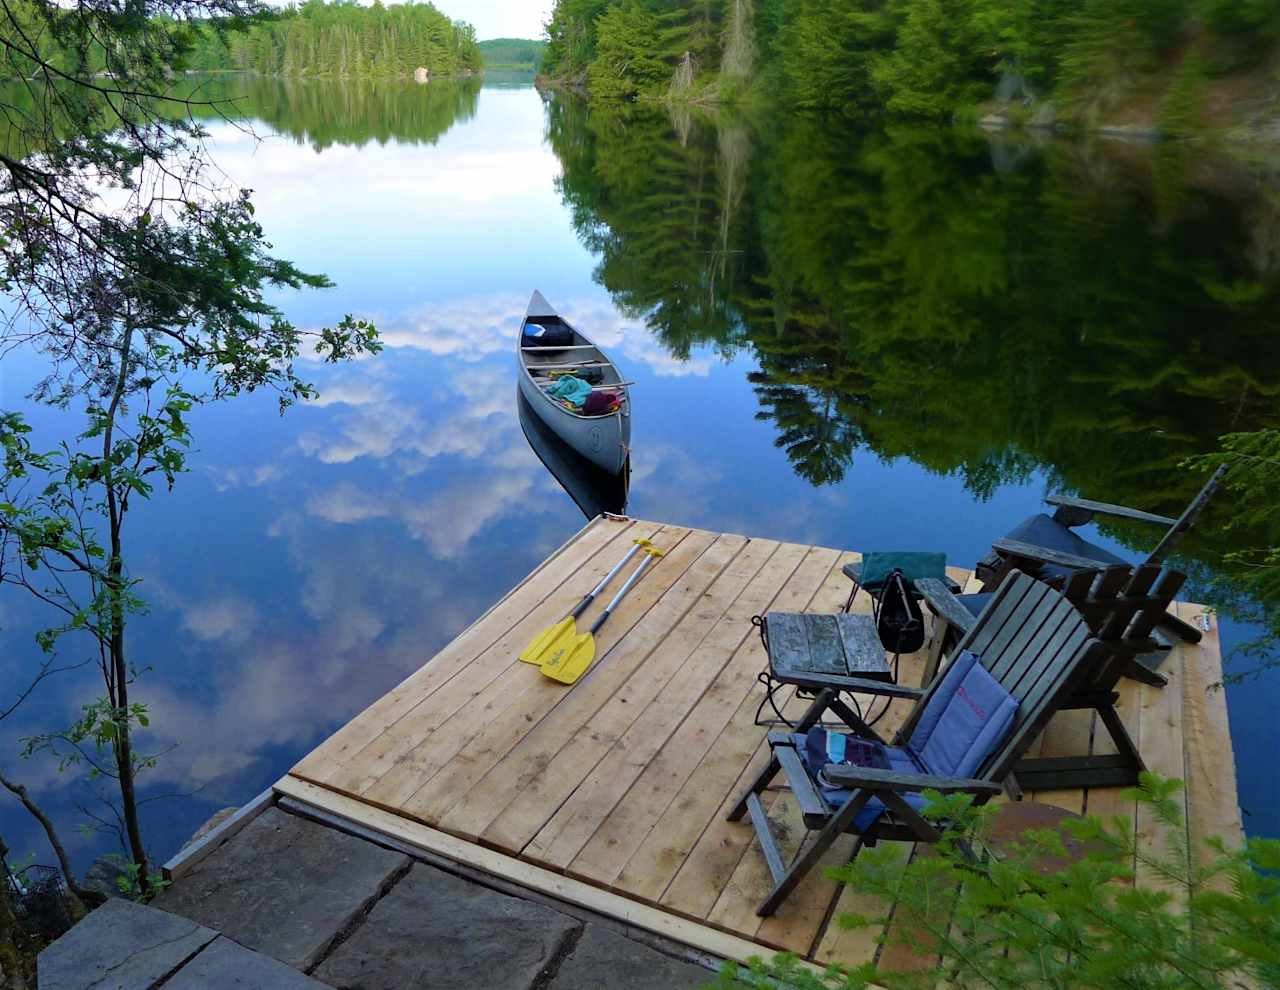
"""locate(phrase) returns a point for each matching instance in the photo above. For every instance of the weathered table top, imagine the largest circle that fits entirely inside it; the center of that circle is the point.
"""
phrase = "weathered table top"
(808, 643)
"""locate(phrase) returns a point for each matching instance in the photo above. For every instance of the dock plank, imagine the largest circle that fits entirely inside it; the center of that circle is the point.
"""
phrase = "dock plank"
(1213, 804)
(530, 786)
(1164, 754)
(616, 839)
(490, 739)
(688, 856)
(652, 720)
(396, 765)
(1109, 803)
(840, 944)
(911, 671)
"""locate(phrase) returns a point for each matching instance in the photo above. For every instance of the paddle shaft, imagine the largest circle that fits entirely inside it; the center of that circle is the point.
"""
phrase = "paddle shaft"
(590, 596)
(635, 576)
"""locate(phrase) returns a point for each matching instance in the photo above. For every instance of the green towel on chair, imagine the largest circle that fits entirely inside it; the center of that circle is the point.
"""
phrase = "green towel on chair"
(876, 567)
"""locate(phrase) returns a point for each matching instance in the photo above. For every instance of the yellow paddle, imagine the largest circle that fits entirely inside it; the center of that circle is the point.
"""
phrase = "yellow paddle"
(571, 659)
(552, 638)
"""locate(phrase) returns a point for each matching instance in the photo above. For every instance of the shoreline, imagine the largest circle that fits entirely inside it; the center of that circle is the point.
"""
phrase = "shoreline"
(995, 120)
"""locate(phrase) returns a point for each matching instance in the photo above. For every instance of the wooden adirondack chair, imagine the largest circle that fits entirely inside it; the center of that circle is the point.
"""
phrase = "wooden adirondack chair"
(1035, 645)
(1047, 547)
(1122, 606)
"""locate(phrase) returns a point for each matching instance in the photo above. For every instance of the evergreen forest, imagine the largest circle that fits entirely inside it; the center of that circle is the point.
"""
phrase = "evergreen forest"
(344, 40)
(1157, 63)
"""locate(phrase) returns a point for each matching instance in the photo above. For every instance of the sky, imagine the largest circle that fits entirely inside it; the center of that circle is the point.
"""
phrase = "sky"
(500, 18)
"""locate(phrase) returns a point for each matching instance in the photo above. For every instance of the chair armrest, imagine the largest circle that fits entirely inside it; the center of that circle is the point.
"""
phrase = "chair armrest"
(1043, 555)
(858, 685)
(844, 775)
(945, 604)
(1107, 509)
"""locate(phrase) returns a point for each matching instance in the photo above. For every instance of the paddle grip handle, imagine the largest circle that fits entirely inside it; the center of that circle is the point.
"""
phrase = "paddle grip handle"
(635, 576)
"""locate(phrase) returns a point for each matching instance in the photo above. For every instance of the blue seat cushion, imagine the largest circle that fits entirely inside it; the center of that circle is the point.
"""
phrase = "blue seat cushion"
(966, 718)
(976, 603)
(1045, 531)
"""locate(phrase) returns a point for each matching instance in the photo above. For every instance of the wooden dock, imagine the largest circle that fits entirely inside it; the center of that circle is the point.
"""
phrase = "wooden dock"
(612, 793)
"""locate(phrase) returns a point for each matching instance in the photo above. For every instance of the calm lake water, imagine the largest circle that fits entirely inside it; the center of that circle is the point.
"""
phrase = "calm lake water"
(882, 340)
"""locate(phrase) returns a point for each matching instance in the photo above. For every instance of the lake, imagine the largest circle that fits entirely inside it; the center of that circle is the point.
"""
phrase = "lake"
(890, 339)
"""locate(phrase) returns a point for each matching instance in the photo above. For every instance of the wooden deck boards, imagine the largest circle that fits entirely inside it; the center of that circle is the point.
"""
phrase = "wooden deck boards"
(612, 792)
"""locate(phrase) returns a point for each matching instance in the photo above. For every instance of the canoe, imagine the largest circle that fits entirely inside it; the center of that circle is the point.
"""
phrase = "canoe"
(592, 489)
(603, 440)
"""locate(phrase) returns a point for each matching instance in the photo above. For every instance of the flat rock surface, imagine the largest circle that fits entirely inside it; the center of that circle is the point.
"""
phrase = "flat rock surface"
(224, 965)
(217, 819)
(603, 959)
(433, 930)
(121, 946)
(284, 886)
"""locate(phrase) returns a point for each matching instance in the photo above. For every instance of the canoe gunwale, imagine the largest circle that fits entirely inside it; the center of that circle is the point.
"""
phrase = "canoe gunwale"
(608, 365)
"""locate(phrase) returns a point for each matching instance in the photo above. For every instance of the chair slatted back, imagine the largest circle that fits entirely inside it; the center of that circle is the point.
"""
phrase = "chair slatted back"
(1188, 517)
(1122, 606)
(1038, 647)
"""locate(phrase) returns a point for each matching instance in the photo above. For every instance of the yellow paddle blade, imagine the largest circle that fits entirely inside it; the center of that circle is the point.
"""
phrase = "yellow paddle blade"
(549, 640)
(570, 661)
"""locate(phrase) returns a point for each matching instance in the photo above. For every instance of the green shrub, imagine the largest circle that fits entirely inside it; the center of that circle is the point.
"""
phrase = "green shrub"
(1004, 925)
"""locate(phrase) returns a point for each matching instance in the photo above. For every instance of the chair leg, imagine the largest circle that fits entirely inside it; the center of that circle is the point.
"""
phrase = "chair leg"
(835, 827)
(761, 782)
(1136, 670)
(1120, 736)
(822, 701)
(853, 720)
(853, 593)
(1183, 630)
(811, 718)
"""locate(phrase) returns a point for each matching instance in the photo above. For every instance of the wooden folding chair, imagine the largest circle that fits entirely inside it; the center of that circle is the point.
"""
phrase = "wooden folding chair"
(1035, 646)
(1049, 548)
(1122, 606)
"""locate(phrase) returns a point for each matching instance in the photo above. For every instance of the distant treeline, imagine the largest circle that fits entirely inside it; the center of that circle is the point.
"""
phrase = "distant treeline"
(512, 53)
(919, 58)
(344, 40)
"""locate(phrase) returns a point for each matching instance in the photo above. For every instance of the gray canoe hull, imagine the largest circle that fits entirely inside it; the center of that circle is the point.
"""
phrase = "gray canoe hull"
(603, 440)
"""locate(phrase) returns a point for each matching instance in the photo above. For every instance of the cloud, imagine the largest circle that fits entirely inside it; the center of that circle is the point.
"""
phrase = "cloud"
(225, 479)
(224, 617)
(473, 329)
(381, 429)
(345, 504)
(449, 522)
(468, 329)
(351, 393)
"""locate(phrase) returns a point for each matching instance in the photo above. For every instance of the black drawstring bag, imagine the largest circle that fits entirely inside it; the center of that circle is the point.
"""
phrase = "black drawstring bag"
(899, 620)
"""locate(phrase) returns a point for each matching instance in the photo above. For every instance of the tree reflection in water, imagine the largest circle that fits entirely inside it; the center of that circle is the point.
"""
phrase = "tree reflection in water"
(1095, 311)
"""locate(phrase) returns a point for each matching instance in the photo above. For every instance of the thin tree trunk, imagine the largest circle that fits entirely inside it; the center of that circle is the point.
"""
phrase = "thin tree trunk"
(11, 977)
(115, 587)
(78, 895)
(739, 42)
